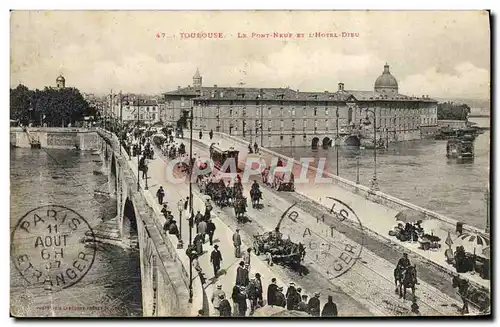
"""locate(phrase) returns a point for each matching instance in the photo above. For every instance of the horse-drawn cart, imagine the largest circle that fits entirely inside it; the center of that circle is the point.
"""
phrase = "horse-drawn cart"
(278, 251)
(281, 181)
(429, 242)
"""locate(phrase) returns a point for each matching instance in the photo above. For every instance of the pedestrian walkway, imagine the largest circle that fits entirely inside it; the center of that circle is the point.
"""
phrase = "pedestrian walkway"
(223, 234)
(379, 219)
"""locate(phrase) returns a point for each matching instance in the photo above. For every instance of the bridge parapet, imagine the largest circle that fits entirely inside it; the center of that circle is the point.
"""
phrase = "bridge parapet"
(164, 275)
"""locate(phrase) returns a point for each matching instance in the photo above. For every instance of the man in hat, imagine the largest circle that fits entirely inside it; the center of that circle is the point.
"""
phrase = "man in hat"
(272, 289)
(165, 210)
(313, 305)
(330, 308)
(216, 259)
(210, 231)
(241, 275)
(160, 194)
(237, 243)
(259, 290)
(202, 230)
(241, 299)
(173, 230)
(216, 300)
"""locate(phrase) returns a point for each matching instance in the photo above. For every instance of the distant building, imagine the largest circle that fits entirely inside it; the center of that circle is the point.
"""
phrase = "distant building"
(60, 82)
(281, 117)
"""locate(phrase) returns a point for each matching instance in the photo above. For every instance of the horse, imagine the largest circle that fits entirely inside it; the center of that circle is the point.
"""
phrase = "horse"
(469, 293)
(405, 279)
(255, 195)
(240, 205)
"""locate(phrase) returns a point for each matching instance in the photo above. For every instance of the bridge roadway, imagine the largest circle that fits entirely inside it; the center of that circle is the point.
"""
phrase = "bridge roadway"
(366, 289)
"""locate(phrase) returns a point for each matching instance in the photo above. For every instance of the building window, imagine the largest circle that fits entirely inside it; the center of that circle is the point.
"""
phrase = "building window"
(304, 136)
(315, 124)
(293, 112)
(269, 112)
(326, 111)
(305, 111)
(244, 112)
(281, 137)
(282, 124)
(304, 124)
(315, 111)
(230, 112)
(281, 111)
(269, 125)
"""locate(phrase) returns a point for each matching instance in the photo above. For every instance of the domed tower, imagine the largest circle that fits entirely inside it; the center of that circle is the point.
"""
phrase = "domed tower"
(386, 83)
(60, 82)
(197, 79)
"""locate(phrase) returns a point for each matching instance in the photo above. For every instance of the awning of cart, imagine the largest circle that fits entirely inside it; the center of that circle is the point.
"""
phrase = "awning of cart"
(410, 216)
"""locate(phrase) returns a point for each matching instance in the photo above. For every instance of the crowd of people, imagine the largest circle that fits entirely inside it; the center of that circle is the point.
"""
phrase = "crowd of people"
(248, 291)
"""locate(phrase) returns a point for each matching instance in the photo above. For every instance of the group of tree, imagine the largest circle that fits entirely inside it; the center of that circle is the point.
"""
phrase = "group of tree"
(452, 111)
(54, 107)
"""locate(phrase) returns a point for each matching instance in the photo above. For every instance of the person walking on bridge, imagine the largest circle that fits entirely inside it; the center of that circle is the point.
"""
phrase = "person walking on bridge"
(201, 134)
(202, 230)
(237, 244)
(314, 304)
(211, 134)
(246, 257)
(330, 308)
(160, 194)
(210, 231)
(216, 259)
(216, 299)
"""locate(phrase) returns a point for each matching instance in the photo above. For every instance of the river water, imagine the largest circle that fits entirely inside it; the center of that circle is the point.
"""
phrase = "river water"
(64, 177)
(420, 173)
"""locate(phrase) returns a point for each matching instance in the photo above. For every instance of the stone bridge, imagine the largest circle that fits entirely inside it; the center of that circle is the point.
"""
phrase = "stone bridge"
(164, 278)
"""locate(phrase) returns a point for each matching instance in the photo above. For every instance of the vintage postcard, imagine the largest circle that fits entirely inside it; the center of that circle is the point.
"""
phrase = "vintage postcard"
(250, 164)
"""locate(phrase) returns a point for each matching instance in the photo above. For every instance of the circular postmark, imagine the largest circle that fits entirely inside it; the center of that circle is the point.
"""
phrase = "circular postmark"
(47, 247)
(330, 236)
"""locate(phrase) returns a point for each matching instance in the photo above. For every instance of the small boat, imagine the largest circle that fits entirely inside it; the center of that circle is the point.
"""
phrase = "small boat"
(460, 147)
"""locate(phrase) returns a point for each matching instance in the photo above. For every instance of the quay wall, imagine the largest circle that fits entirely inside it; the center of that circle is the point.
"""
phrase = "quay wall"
(447, 223)
(55, 138)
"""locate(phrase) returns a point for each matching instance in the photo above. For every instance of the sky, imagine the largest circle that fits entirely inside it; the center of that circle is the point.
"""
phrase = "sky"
(436, 53)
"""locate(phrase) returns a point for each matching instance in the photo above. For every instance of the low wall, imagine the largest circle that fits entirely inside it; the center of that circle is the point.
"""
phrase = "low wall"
(55, 137)
(374, 196)
(172, 264)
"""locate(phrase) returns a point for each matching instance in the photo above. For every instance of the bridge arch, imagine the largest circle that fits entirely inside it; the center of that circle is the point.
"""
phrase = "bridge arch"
(352, 141)
(327, 142)
(129, 222)
(315, 142)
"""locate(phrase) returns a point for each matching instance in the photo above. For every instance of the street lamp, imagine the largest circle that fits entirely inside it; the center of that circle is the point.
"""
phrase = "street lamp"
(357, 165)
(374, 185)
(180, 207)
(191, 205)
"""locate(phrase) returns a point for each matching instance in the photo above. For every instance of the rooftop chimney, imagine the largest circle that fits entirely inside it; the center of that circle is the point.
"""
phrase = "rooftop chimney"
(341, 86)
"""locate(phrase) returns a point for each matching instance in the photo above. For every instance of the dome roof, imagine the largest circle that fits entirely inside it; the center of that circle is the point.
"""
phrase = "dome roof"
(386, 80)
(60, 78)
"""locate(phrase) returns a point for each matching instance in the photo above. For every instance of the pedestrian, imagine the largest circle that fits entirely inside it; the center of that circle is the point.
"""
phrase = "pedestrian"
(237, 244)
(198, 218)
(256, 147)
(292, 297)
(330, 308)
(197, 267)
(302, 306)
(272, 289)
(224, 307)
(216, 259)
(234, 297)
(215, 297)
(202, 230)
(160, 194)
(165, 210)
(280, 297)
(211, 134)
(173, 230)
(210, 231)
(241, 275)
(198, 244)
(313, 305)
(252, 293)
(186, 203)
(246, 257)
(260, 290)
(241, 299)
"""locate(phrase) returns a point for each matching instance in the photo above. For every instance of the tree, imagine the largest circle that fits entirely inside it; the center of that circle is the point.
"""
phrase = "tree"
(56, 107)
(449, 110)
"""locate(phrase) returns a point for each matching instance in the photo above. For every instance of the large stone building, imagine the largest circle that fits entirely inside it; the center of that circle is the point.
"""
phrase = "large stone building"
(280, 117)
